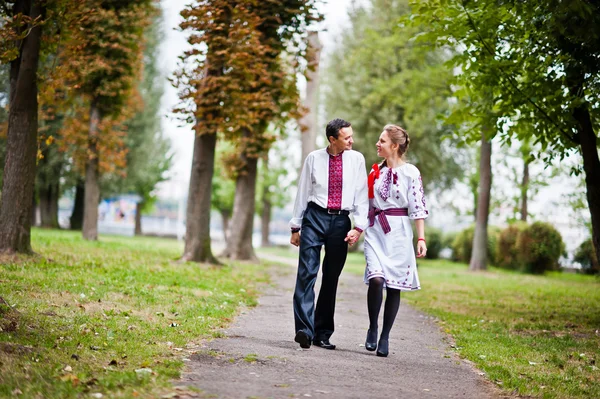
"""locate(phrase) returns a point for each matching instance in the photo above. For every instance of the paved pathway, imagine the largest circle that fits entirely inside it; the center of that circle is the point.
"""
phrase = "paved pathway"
(259, 359)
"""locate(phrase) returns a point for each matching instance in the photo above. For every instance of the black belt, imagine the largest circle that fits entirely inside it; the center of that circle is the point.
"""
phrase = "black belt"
(328, 210)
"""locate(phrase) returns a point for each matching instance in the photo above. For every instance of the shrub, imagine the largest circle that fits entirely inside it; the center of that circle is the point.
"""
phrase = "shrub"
(586, 255)
(433, 238)
(462, 246)
(434, 242)
(506, 246)
(539, 247)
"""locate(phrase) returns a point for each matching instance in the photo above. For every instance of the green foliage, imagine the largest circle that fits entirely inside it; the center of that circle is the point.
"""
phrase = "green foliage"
(434, 242)
(539, 247)
(507, 251)
(378, 75)
(462, 246)
(273, 182)
(586, 256)
(538, 61)
(148, 157)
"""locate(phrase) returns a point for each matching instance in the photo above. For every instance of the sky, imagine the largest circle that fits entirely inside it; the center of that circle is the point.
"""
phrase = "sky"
(182, 138)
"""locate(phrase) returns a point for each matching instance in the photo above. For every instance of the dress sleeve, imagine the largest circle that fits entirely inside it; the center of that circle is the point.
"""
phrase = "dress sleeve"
(361, 198)
(304, 185)
(417, 207)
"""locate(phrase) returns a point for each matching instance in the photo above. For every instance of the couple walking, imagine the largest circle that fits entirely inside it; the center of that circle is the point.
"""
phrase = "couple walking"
(333, 184)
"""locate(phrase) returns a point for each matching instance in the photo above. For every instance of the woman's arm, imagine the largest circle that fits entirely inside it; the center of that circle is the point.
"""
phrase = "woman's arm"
(421, 245)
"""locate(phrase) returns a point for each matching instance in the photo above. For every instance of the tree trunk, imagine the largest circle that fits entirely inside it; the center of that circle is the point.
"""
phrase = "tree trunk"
(524, 189)
(197, 233)
(138, 218)
(48, 194)
(480, 239)
(92, 187)
(239, 244)
(225, 218)
(591, 166)
(308, 122)
(48, 188)
(265, 217)
(76, 219)
(21, 146)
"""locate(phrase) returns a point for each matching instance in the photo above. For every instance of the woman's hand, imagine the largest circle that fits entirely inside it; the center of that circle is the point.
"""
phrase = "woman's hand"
(352, 236)
(421, 249)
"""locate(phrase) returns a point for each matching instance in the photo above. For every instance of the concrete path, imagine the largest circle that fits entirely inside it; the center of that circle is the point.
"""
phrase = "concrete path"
(259, 359)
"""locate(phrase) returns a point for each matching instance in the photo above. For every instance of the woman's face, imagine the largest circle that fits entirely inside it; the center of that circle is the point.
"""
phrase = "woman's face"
(385, 147)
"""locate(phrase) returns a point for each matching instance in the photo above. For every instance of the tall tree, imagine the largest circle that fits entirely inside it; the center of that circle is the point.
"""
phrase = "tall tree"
(278, 28)
(544, 59)
(229, 86)
(106, 51)
(308, 122)
(148, 156)
(480, 237)
(23, 32)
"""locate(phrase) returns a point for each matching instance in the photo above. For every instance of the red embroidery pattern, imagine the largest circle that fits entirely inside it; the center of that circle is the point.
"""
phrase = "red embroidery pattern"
(334, 194)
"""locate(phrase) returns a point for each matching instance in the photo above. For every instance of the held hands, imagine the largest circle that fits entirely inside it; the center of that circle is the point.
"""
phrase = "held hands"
(421, 249)
(295, 239)
(352, 236)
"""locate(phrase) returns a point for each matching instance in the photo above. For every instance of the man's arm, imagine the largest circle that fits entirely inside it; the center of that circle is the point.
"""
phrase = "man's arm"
(304, 185)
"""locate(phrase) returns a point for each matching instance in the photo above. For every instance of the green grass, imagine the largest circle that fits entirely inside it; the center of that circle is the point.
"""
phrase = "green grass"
(532, 335)
(117, 316)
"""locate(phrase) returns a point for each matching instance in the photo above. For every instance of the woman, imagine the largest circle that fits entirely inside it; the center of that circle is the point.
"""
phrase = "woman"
(395, 196)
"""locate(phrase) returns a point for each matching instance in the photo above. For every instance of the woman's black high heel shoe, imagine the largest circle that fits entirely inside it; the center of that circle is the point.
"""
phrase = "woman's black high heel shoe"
(383, 348)
(371, 342)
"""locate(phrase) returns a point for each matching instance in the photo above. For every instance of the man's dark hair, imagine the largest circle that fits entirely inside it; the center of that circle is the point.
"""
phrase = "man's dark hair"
(333, 127)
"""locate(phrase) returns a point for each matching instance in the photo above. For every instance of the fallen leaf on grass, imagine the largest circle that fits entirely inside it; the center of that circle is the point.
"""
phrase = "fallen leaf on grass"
(70, 377)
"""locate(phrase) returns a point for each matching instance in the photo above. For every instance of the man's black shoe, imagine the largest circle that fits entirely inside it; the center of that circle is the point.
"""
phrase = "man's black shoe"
(324, 343)
(303, 339)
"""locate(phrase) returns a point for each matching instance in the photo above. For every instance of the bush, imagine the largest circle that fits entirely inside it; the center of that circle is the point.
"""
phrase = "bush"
(539, 247)
(434, 242)
(433, 239)
(462, 246)
(586, 255)
(506, 246)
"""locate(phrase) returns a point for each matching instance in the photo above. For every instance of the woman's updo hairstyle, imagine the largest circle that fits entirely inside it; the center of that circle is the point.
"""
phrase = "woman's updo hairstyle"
(398, 136)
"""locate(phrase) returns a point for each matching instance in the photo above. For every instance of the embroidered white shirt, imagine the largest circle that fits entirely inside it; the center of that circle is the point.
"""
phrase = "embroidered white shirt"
(313, 186)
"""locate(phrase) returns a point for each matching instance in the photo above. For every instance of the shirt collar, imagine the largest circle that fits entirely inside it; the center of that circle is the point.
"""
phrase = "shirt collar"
(331, 155)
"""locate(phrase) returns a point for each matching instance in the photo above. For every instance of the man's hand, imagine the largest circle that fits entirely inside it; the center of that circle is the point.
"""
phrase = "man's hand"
(421, 249)
(295, 239)
(352, 236)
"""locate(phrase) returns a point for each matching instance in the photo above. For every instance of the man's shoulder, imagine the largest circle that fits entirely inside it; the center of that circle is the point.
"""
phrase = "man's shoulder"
(355, 155)
(317, 152)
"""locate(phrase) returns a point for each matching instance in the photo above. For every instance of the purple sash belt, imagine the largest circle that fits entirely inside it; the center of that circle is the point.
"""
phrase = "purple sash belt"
(381, 216)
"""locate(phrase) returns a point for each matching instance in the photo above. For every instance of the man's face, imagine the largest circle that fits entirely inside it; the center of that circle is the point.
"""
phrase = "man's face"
(344, 140)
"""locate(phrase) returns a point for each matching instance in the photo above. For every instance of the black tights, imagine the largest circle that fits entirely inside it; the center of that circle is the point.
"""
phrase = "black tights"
(392, 304)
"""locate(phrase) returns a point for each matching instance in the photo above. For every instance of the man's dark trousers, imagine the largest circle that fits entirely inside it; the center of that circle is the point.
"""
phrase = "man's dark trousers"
(319, 228)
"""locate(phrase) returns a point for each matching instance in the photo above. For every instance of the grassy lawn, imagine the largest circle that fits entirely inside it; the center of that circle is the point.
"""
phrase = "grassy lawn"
(532, 335)
(115, 317)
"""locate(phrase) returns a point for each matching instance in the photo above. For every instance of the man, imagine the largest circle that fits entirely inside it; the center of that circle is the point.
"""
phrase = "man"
(333, 183)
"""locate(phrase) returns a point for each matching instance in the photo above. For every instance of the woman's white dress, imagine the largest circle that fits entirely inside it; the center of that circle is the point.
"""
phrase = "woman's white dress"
(392, 255)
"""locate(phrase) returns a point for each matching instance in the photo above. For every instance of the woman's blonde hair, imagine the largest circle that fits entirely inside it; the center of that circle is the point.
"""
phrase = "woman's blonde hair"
(398, 136)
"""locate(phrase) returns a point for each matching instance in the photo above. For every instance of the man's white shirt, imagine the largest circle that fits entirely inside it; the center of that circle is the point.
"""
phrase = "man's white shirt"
(313, 186)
